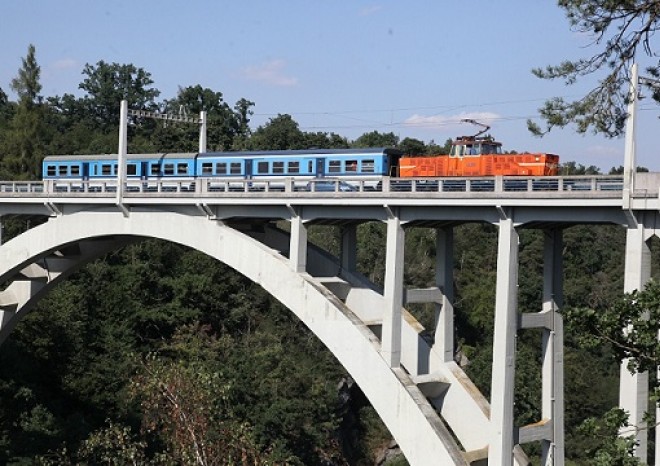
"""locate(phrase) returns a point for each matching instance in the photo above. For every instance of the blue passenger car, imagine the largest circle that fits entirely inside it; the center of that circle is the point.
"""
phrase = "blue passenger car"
(100, 167)
(303, 164)
(226, 167)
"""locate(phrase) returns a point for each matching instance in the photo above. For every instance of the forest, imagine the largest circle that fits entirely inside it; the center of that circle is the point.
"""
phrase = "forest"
(159, 355)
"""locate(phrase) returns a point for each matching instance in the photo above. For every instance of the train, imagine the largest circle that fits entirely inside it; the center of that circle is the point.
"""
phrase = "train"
(369, 164)
(479, 155)
(470, 156)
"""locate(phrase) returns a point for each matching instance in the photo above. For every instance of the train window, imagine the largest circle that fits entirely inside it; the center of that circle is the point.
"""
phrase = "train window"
(181, 168)
(62, 170)
(155, 170)
(334, 166)
(75, 170)
(106, 169)
(293, 167)
(221, 168)
(131, 169)
(168, 169)
(351, 165)
(278, 167)
(262, 168)
(235, 168)
(207, 168)
(50, 170)
(368, 166)
(310, 166)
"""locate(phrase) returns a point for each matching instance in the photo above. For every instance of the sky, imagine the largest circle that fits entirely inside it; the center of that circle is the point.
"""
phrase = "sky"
(412, 68)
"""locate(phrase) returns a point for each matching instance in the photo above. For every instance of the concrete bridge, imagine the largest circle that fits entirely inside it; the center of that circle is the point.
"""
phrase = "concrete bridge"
(432, 409)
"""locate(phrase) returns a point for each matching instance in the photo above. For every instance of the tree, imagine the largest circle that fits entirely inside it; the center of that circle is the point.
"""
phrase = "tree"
(108, 84)
(618, 28)
(280, 133)
(25, 142)
(27, 84)
(640, 311)
(376, 139)
(412, 146)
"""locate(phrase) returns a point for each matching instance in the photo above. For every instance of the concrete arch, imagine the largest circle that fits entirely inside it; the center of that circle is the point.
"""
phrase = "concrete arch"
(27, 262)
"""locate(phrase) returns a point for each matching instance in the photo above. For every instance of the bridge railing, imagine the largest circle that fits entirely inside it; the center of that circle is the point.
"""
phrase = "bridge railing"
(604, 185)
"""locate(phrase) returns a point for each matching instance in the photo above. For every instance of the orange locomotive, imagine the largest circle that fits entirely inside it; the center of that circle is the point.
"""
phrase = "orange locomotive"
(478, 156)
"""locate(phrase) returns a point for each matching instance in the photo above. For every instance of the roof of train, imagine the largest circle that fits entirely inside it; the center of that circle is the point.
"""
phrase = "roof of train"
(265, 153)
(92, 157)
(279, 153)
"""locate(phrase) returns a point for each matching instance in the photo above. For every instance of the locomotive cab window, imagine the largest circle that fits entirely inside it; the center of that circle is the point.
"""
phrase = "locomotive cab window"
(235, 168)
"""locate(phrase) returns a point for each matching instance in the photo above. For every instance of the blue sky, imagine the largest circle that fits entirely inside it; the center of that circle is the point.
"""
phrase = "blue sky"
(414, 68)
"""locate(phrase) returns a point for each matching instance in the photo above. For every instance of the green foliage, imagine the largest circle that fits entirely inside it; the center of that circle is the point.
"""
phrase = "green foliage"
(639, 312)
(605, 447)
(618, 29)
(27, 84)
(107, 84)
(376, 139)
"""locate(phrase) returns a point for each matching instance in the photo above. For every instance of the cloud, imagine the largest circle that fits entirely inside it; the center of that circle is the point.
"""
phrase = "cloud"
(270, 72)
(449, 122)
(370, 10)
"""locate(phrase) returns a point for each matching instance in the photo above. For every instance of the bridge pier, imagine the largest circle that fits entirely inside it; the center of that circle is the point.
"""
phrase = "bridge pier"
(348, 252)
(298, 246)
(393, 291)
(443, 342)
(500, 452)
(552, 399)
(633, 388)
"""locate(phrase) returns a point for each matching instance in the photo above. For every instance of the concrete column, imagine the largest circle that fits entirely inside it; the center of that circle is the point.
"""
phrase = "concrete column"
(553, 350)
(500, 452)
(444, 280)
(349, 248)
(122, 149)
(393, 292)
(298, 244)
(633, 389)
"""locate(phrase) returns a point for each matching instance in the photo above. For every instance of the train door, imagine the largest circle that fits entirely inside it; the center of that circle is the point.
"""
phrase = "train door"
(320, 167)
(248, 169)
(85, 171)
(144, 170)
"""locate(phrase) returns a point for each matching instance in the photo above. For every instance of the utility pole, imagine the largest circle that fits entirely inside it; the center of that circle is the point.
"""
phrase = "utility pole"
(124, 113)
